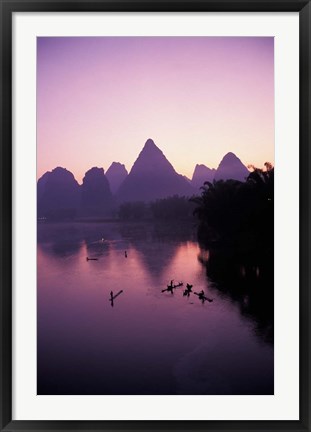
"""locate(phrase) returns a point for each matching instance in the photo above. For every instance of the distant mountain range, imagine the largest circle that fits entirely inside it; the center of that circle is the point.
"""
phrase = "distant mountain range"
(58, 195)
(202, 174)
(230, 167)
(116, 174)
(96, 197)
(152, 177)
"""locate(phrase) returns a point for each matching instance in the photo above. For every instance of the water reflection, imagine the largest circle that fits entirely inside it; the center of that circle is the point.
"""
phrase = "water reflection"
(157, 244)
(149, 342)
(247, 280)
(61, 240)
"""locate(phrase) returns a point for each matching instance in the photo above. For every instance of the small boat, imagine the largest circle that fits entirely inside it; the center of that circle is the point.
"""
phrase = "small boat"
(178, 285)
(203, 297)
(91, 259)
(188, 290)
(113, 297)
(169, 289)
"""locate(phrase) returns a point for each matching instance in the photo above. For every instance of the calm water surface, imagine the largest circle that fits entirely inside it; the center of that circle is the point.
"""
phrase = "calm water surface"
(149, 342)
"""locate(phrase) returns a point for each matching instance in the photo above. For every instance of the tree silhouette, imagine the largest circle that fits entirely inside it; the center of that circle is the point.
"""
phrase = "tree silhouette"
(237, 213)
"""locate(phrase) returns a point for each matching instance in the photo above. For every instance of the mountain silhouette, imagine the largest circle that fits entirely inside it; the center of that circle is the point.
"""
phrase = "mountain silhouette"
(41, 185)
(202, 174)
(231, 168)
(96, 197)
(116, 174)
(58, 194)
(152, 177)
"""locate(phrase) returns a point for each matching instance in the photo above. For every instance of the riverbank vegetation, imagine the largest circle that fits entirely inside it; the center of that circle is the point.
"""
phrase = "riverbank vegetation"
(232, 213)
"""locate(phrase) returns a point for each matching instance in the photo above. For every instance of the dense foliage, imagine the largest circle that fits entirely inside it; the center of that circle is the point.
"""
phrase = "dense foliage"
(238, 213)
(236, 234)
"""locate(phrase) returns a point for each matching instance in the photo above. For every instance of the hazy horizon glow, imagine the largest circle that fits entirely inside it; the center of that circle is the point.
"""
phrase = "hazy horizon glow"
(100, 98)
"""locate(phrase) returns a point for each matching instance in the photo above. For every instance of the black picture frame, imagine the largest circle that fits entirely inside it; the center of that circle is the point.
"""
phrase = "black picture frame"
(7, 8)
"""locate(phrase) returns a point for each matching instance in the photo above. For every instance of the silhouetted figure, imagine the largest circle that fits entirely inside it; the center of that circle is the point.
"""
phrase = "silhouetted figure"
(202, 297)
(113, 297)
(188, 290)
(91, 259)
(169, 288)
(125, 254)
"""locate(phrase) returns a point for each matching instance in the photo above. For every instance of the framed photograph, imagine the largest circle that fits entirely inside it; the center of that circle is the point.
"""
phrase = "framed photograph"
(155, 215)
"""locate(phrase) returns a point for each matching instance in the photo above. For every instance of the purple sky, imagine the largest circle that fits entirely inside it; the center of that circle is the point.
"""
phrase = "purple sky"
(100, 99)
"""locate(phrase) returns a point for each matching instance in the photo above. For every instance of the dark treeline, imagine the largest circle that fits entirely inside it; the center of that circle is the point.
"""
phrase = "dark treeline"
(236, 228)
(233, 213)
(172, 208)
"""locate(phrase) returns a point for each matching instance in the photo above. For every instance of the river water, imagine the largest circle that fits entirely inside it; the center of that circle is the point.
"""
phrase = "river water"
(149, 341)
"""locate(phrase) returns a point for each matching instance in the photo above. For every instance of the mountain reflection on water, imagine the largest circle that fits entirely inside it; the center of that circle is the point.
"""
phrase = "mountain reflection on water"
(150, 342)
